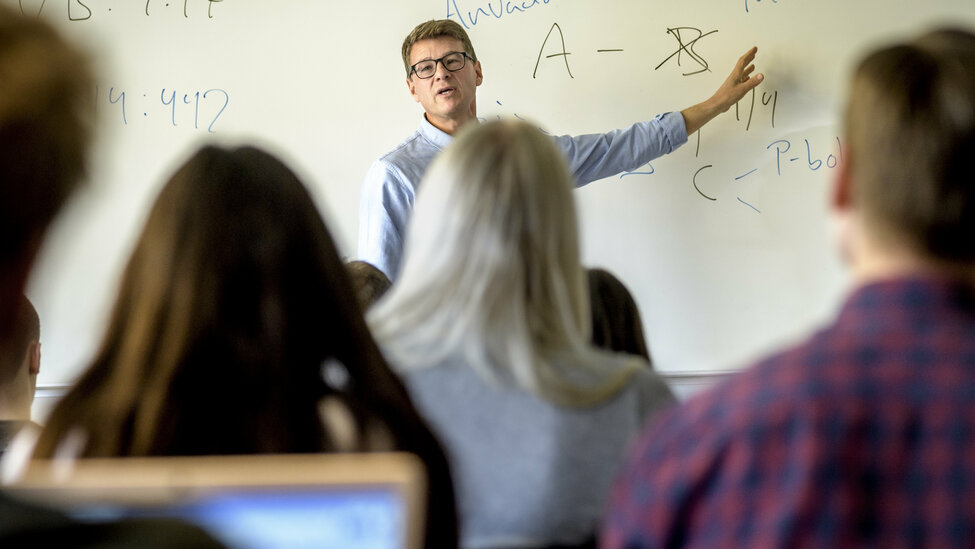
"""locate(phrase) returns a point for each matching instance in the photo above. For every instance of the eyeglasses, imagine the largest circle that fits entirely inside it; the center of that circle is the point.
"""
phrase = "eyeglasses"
(453, 62)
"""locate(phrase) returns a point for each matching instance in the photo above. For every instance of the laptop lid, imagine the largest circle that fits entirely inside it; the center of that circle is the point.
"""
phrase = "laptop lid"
(353, 501)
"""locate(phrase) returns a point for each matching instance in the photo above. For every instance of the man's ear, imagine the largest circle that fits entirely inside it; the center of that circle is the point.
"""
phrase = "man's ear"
(478, 73)
(34, 360)
(412, 88)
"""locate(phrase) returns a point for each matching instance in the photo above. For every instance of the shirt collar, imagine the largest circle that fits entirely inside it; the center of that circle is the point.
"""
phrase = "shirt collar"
(907, 298)
(434, 134)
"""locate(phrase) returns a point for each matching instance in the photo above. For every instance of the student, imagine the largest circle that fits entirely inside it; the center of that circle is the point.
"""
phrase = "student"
(616, 323)
(45, 126)
(230, 308)
(44, 129)
(862, 436)
(442, 74)
(489, 324)
(20, 362)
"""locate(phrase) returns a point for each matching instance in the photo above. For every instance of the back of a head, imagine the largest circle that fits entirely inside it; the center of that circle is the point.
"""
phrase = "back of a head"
(234, 286)
(231, 304)
(616, 323)
(45, 123)
(491, 265)
(910, 125)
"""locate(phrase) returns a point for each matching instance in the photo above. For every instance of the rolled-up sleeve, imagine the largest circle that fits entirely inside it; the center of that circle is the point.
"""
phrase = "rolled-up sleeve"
(384, 211)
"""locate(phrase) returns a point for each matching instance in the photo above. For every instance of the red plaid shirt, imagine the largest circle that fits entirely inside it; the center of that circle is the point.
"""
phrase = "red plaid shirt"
(864, 436)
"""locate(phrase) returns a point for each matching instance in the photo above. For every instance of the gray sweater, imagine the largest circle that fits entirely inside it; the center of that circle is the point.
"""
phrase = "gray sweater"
(529, 473)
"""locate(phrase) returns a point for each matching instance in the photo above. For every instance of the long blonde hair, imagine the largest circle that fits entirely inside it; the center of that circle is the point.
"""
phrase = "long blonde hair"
(491, 271)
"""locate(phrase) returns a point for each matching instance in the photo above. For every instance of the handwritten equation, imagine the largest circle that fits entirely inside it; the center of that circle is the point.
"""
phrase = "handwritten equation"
(84, 10)
(785, 157)
(759, 106)
(780, 148)
(687, 39)
(197, 109)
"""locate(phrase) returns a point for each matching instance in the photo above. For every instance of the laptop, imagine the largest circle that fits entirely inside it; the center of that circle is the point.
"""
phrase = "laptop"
(349, 501)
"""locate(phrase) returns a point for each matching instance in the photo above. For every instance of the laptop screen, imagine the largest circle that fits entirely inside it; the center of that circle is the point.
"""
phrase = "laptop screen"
(314, 501)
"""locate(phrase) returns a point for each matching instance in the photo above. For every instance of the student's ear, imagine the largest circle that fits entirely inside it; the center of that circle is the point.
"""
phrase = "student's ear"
(844, 219)
(35, 359)
(841, 196)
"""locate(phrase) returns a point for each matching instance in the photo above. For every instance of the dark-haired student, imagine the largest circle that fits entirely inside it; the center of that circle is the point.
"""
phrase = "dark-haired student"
(20, 362)
(863, 435)
(616, 322)
(442, 75)
(236, 331)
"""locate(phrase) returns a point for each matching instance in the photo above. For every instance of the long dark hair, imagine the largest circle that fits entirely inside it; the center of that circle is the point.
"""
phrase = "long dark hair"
(616, 323)
(233, 300)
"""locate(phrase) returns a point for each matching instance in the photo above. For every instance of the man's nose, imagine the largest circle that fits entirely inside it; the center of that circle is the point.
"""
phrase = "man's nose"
(441, 69)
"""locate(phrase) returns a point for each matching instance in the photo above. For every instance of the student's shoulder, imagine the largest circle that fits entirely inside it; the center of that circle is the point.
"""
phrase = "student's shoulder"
(17, 454)
(761, 395)
(614, 360)
(640, 376)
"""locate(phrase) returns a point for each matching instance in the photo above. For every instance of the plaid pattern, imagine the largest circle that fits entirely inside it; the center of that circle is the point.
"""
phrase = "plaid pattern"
(864, 436)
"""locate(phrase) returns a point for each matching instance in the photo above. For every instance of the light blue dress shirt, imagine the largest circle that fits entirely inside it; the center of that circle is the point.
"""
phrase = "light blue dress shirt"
(392, 181)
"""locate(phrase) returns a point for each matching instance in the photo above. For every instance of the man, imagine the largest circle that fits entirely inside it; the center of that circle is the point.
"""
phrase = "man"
(20, 362)
(442, 74)
(864, 435)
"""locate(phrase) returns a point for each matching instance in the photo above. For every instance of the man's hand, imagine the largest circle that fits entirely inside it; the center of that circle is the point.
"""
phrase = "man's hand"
(738, 83)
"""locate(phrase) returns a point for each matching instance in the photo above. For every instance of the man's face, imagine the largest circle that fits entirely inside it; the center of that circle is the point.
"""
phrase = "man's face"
(447, 97)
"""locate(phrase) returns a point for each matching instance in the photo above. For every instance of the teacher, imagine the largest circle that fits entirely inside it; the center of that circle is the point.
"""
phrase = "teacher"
(442, 74)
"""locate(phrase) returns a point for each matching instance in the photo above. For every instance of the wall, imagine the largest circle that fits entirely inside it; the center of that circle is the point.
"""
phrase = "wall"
(724, 243)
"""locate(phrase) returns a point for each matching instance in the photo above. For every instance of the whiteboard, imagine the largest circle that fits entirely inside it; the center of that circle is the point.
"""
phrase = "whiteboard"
(724, 243)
